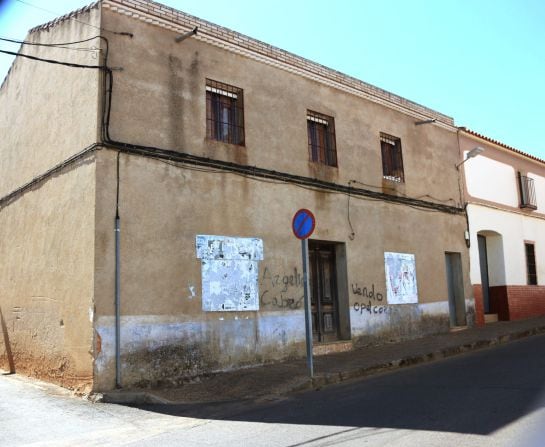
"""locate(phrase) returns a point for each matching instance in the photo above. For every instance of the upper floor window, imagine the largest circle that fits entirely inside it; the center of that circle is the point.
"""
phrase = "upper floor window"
(321, 138)
(392, 160)
(224, 113)
(531, 264)
(527, 192)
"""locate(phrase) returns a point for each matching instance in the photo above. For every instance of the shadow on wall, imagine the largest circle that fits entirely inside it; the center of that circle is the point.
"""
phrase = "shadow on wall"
(7, 343)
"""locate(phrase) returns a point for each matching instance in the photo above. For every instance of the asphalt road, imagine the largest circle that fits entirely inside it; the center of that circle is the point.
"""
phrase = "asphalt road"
(486, 398)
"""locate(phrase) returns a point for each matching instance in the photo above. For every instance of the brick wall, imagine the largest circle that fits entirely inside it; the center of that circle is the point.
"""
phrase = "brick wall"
(511, 302)
(526, 301)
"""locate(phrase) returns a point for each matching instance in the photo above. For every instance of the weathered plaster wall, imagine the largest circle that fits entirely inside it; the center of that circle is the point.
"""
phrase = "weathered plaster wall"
(159, 101)
(47, 114)
(169, 78)
(166, 336)
(46, 279)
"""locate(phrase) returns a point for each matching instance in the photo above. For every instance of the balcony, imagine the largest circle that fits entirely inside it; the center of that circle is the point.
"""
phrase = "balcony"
(527, 192)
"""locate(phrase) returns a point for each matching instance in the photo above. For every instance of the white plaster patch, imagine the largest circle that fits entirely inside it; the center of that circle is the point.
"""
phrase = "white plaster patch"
(272, 333)
(437, 308)
(91, 314)
(373, 319)
(192, 292)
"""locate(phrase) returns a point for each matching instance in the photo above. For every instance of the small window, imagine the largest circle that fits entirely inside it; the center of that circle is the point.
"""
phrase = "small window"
(321, 138)
(527, 192)
(224, 113)
(531, 264)
(392, 160)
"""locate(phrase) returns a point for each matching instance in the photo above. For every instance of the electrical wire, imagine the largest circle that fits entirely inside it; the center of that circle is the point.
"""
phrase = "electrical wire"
(189, 161)
(53, 45)
(450, 199)
(53, 61)
(352, 234)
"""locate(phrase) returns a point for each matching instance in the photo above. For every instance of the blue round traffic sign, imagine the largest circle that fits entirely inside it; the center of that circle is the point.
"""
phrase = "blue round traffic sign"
(303, 224)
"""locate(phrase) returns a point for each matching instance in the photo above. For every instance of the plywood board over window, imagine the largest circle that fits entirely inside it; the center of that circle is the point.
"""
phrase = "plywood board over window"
(229, 272)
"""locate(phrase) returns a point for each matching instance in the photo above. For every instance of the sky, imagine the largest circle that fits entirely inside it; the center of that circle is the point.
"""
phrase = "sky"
(481, 62)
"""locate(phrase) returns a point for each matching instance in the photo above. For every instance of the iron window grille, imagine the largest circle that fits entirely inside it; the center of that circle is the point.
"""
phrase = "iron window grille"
(527, 192)
(531, 264)
(392, 159)
(321, 138)
(224, 113)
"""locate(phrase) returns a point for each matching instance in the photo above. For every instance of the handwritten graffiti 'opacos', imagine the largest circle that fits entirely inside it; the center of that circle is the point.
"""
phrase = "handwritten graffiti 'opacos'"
(369, 307)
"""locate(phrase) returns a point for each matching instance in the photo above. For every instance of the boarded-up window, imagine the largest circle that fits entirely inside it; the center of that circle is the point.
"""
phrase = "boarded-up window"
(392, 159)
(229, 272)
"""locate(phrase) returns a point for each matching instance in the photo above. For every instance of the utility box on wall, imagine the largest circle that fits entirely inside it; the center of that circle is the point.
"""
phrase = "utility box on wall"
(229, 272)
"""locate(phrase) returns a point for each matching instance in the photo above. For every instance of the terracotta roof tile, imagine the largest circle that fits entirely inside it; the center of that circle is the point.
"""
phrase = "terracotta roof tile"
(499, 143)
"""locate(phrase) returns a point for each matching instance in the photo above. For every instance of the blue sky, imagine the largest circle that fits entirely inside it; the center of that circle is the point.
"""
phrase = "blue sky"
(480, 61)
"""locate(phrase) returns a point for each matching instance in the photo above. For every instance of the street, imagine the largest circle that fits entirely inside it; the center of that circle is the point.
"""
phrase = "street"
(486, 398)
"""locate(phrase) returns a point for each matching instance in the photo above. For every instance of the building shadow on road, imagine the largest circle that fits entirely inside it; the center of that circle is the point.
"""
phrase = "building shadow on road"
(478, 393)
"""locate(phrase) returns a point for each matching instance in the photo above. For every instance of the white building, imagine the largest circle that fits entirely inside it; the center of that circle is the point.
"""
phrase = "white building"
(505, 195)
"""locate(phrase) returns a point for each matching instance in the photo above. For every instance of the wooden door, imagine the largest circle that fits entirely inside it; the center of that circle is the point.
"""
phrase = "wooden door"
(323, 285)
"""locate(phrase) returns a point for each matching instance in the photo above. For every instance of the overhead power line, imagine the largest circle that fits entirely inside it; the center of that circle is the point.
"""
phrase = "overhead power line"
(53, 61)
(63, 45)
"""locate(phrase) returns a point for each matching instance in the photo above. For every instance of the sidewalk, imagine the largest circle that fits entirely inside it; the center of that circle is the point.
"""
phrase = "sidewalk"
(269, 381)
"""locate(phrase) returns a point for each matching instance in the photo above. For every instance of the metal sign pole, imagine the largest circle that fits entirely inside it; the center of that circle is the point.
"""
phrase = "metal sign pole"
(308, 320)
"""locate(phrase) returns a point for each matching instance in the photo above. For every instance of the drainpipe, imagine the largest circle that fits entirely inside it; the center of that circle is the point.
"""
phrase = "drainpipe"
(117, 287)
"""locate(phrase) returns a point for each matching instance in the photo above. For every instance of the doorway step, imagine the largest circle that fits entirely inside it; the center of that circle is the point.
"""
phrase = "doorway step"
(490, 318)
(332, 347)
(458, 328)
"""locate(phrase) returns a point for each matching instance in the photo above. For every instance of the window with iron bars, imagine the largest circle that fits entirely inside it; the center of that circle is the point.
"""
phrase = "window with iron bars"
(527, 192)
(392, 159)
(224, 113)
(531, 264)
(321, 138)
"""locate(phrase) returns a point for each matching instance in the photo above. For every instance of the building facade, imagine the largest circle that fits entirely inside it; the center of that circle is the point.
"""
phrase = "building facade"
(505, 191)
(147, 207)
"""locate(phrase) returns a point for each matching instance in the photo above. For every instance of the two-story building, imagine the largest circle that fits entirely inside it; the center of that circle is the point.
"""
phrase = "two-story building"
(147, 191)
(505, 192)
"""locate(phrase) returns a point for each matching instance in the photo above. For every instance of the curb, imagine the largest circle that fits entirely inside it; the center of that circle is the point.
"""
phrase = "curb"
(134, 397)
(332, 378)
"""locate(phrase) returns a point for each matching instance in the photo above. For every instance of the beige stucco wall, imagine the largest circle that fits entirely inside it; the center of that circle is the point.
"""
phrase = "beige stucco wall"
(47, 114)
(166, 335)
(159, 100)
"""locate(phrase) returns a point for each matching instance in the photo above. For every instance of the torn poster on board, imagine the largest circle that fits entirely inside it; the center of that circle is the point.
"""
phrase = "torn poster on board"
(229, 272)
(400, 278)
